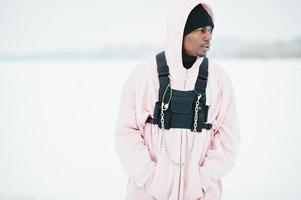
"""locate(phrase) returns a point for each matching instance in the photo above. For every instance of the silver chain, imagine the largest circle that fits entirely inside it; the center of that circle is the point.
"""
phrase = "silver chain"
(196, 110)
(163, 139)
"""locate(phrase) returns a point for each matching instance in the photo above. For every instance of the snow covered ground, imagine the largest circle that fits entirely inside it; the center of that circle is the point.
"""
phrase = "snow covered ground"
(57, 123)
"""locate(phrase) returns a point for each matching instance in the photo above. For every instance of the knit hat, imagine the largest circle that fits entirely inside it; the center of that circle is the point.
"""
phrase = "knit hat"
(198, 18)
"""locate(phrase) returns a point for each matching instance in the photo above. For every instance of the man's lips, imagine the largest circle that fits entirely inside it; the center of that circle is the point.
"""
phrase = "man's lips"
(205, 46)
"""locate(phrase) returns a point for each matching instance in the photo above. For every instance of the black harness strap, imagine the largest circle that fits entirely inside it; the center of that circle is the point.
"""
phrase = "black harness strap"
(201, 83)
(163, 73)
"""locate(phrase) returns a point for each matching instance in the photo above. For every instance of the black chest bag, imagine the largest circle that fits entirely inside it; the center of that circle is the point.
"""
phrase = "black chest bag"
(182, 109)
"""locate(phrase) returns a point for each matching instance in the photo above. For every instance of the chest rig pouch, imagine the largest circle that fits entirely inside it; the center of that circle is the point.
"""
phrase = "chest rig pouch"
(180, 107)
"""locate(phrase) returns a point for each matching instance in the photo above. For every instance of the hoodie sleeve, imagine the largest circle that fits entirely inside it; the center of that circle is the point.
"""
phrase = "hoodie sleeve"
(222, 152)
(133, 153)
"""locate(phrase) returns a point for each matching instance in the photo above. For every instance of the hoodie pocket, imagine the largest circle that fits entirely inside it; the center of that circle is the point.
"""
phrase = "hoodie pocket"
(164, 179)
(193, 186)
(213, 192)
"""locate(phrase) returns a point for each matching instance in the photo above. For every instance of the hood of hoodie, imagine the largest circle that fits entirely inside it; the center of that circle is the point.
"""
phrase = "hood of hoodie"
(174, 35)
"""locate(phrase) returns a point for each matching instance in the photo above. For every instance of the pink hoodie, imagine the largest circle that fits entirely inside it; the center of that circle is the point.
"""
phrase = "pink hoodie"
(151, 173)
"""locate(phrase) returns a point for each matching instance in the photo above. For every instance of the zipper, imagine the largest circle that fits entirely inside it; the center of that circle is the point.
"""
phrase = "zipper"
(179, 187)
(185, 78)
(180, 174)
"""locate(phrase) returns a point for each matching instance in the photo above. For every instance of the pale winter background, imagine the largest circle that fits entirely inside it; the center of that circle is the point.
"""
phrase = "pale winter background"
(62, 68)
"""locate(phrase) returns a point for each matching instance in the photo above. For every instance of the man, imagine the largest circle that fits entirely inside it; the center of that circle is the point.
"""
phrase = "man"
(177, 133)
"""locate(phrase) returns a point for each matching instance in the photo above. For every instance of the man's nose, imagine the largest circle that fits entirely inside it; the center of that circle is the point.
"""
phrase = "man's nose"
(208, 35)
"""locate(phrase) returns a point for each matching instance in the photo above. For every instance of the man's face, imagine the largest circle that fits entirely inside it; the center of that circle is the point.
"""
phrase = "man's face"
(197, 42)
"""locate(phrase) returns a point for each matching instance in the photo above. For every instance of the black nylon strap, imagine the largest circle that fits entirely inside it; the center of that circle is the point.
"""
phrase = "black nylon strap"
(199, 129)
(163, 73)
(162, 67)
(201, 83)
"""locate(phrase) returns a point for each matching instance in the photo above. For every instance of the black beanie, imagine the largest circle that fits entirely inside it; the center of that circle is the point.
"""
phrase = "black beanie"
(198, 18)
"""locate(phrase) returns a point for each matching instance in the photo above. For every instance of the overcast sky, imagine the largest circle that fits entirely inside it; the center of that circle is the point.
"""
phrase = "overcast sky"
(47, 25)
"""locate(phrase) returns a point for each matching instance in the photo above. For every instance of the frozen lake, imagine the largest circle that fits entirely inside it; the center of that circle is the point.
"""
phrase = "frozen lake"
(57, 123)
